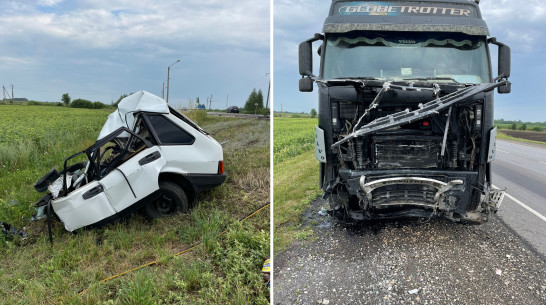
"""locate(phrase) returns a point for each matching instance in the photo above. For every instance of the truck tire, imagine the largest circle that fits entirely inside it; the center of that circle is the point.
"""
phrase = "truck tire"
(168, 200)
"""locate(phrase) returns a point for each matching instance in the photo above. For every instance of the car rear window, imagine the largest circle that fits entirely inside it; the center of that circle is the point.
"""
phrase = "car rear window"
(168, 132)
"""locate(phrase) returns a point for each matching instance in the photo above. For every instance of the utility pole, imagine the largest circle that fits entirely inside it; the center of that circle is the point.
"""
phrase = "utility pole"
(281, 110)
(12, 93)
(268, 87)
(210, 101)
(168, 73)
(163, 91)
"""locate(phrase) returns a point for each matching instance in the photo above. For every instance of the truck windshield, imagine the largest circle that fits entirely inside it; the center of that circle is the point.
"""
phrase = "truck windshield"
(396, 56)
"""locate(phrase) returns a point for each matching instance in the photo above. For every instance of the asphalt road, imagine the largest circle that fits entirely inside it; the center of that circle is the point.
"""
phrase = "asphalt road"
(521, 169)
(239, 115)
(408, 262)
(428, 262)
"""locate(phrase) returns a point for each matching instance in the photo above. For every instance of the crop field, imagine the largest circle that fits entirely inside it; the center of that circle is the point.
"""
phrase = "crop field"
(296, 176)
(535, 136)
(293, 136)
(224, 269)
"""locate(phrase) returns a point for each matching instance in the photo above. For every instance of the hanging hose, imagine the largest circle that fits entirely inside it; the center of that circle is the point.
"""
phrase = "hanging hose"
(177, 254)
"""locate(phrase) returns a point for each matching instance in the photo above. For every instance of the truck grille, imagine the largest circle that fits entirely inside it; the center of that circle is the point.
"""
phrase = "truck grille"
(404, 152)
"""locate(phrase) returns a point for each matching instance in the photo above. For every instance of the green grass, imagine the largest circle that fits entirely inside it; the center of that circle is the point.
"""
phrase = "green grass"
(34, 272)
(296, 177)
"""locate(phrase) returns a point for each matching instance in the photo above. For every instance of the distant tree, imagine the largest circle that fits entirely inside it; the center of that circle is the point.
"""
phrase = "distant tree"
(538, 128)
(98, 105)
(197, 101)
(313, 113)
(119, 99)
(514, 126)
(524, 126)
(66, 99)
(253, 99)
(81, 103)
(260, 99)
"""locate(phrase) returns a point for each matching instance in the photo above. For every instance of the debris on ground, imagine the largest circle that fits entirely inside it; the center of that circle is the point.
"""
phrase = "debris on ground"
(10, 231)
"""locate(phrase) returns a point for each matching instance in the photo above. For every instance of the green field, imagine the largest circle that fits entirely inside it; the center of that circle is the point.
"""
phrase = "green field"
(295, 172)
(222, 270)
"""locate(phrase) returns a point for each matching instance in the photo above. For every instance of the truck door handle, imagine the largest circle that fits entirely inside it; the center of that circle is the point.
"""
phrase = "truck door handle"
(93, 192)
(149, 158)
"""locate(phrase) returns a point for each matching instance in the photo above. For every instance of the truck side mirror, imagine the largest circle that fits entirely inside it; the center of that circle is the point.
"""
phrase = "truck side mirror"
(503, 65)
(504, 60)
(305, 57)
(306, 84)
(505, 89)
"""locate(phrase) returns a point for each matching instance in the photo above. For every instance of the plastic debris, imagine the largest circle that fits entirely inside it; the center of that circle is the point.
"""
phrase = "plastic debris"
(323, 212)
(266, 271)
(10, 231)
(40, 213)
(324, 301)
(498, 272)
(414, 291)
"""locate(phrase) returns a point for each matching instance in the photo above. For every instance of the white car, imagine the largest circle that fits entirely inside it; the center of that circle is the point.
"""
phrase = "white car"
(148, 156)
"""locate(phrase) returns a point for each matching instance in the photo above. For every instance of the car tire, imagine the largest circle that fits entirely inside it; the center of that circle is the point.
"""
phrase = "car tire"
(168, 200)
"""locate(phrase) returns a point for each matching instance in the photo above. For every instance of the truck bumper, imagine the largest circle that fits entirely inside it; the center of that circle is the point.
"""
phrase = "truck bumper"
(455, 195)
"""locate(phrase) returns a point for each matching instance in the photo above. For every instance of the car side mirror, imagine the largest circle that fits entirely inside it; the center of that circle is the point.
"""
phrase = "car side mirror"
(306, 84)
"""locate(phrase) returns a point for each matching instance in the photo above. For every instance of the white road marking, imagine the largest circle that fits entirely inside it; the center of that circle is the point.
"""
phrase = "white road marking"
(541, 162)
(537, 214)
(503, 151)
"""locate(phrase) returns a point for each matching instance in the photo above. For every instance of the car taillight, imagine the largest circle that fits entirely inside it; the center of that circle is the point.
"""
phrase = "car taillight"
(220, 167)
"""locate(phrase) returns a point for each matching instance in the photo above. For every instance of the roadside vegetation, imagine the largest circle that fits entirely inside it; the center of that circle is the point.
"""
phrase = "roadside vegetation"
(296, 177)
(224, 269)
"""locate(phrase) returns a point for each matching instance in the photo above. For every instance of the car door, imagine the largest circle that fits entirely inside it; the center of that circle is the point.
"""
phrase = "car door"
(136, 178)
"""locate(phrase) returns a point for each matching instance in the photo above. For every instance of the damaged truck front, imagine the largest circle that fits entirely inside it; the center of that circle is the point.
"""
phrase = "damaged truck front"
(405, 94)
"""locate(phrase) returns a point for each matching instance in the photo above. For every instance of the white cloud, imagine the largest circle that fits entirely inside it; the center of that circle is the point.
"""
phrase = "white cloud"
(507, 11)
(109, 24)
(295, 21)
(48, 2)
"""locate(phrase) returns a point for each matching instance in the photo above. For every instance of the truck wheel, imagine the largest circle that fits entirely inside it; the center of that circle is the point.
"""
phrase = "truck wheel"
(168, 200)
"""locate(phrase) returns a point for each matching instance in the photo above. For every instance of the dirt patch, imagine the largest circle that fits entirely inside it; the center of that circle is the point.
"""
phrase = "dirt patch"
(528, 135)
(408, 262)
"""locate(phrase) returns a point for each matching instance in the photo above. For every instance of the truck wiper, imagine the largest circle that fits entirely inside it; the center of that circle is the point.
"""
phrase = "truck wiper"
(425, 110)
(432, 78)
(359, 77)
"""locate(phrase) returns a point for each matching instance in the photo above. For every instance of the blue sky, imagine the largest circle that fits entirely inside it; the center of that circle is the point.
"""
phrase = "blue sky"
(100, 49)
(519, 23)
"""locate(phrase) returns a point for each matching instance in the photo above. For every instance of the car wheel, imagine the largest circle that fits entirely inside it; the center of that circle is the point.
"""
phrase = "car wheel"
(168, 200)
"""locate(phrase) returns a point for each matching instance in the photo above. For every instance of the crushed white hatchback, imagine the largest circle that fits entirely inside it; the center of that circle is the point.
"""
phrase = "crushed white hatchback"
(148, 156)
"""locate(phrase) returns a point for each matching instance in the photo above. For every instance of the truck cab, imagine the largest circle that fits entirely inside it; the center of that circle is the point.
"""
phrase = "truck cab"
(405, 124)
